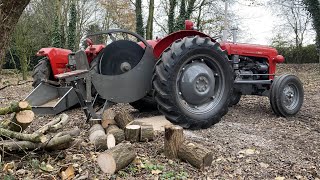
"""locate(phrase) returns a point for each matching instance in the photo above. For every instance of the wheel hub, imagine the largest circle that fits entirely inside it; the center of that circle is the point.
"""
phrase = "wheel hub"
(290, 98)
(197, 83)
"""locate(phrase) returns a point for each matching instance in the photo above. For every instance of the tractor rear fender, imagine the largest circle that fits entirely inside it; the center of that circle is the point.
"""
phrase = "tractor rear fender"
(58, 58)
(168, 40)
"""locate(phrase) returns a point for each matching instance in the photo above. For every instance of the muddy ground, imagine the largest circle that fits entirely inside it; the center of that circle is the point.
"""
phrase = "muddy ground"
(250, 142)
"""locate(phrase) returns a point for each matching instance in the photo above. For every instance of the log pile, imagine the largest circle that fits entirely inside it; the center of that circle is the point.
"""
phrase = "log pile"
(175, 146)
(111, 134)
(46, 137)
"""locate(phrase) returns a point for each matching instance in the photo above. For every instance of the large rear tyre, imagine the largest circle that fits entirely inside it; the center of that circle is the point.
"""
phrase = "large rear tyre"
(193, 82)
(41, 71)
(286, 95)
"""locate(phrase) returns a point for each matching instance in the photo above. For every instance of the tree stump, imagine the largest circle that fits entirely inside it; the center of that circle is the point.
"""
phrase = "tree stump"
(15, 107)
(146, 133)
(116, 132)
(195, 154)
(108, 118)
(132, 133)
(116, 158)
(21, 121)
(123, 119)
(95, 132)
(173, 138)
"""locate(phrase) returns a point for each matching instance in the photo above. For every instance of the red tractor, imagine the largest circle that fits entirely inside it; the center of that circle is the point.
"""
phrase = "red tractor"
(190, 77)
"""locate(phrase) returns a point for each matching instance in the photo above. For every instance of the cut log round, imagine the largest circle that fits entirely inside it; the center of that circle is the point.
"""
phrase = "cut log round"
(146, 133)
(195, 154)
(21, 120)
(15, 107)
(95, 132)
(132, 133)
(116, 158)
(123, 118)
(111, 141)
(173, 138)
(101, 142)
(116, 132)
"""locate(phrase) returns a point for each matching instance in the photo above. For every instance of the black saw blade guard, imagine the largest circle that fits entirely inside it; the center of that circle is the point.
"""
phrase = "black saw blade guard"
(119, 57)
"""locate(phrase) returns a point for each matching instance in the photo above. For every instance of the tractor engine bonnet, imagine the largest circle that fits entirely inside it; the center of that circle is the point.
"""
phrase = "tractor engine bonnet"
(124, 72)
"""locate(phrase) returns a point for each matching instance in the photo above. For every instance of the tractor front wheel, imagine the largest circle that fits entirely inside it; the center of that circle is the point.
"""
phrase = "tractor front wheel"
(193, 82)
(41, 71)
(286, 95)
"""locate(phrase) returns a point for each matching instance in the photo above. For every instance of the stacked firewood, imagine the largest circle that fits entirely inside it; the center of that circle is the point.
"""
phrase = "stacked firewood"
(46, 137)
(115, 134)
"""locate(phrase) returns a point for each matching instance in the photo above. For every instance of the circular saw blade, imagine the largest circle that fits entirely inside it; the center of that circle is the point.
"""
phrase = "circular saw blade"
(119, 57)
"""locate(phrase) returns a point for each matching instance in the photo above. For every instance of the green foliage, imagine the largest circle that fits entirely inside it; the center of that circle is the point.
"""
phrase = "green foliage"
(171, 21)
(305, 54)
(139, 20)
(8, 177)
(313, 6)
(56, 35)
(72, 27)
(182, 16)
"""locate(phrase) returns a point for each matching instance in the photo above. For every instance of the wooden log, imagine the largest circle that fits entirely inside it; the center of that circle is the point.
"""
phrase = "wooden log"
(21, 121)
(15, 107)
(57, 143)
(173, 138)
(146, 133)
(123, 118)
(132, 133)
(195, 154)
(108, 118)
(111, 141)
(21, 136)
(95, 132)
(116, 158)
(116, 132)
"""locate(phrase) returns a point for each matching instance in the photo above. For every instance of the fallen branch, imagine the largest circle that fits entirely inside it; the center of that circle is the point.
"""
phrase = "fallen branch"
(46, 127)
(15, 107)
(21, 136)
(64, 119)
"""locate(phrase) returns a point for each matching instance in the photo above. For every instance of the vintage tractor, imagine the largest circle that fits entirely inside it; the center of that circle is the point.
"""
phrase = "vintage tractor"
(190, 77)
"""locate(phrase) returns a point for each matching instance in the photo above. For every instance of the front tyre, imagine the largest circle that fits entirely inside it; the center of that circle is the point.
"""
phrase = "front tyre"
(193, 82)
(286, 95)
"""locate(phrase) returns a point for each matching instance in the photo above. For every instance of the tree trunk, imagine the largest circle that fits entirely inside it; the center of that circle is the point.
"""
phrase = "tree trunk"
(132, 133)
(15, 107)
(173, 138)
(10, 12)
(123, 119)
(149, 27)
(116, 132)
(116, 158)
(195, 154)
(171, 15)
(146, 133)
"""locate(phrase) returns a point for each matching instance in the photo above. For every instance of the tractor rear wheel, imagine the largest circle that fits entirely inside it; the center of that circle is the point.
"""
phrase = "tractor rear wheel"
(286, 95)
(41, 71)
(193, 82)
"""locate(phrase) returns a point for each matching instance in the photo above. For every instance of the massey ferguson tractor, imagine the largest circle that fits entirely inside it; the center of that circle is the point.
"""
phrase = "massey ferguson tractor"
(187, 75)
